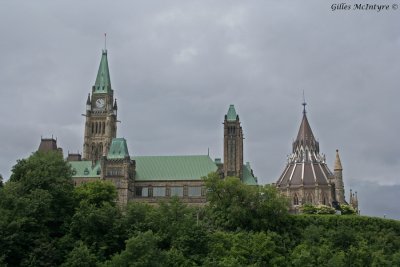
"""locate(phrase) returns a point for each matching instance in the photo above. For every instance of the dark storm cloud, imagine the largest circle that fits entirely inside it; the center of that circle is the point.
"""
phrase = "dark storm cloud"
(177, 65)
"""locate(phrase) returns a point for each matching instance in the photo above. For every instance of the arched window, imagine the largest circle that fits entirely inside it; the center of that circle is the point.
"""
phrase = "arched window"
(295, 200)
(309, 198)
(92, 127)
(104, 128)
(100, 149)
(324, 199)
(97, 127)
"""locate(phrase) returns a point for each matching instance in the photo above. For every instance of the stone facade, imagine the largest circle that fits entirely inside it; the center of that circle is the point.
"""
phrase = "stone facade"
(233, 144)
(153, 178)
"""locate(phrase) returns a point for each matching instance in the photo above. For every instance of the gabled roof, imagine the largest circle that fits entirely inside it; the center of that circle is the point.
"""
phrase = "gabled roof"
(231, 115)
(168, 168)
(118, 149)
(103, 81)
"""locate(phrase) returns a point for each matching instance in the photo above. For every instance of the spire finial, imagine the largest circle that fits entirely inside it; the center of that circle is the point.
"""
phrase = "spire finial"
(105, 41)
(304, 104)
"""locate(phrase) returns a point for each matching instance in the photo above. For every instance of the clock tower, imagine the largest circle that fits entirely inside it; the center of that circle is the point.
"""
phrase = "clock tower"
(101, 115)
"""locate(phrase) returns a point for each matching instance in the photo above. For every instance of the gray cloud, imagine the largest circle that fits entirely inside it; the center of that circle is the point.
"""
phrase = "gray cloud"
(177, 65)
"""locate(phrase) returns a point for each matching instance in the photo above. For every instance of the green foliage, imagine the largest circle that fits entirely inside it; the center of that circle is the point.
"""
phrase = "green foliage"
(141, 251)
(308, 209)
(347, 209)
(99, 228)
(320, 209)
(244, 249)
(45, 222)
(323, 209)
(80, 256)
(35, 206)
(235, 206)
(96, 193)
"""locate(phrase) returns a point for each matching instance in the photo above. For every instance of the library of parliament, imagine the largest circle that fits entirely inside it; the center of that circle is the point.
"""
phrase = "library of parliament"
(305, 179)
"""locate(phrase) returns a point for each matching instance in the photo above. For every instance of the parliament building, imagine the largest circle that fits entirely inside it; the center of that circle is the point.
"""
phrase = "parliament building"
(146, 178)
(305, 179)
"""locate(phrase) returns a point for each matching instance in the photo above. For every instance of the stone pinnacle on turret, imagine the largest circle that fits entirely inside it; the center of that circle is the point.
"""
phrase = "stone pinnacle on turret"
(338, 163)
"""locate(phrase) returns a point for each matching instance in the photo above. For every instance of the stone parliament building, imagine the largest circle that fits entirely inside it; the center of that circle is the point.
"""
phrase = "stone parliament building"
(306, 178)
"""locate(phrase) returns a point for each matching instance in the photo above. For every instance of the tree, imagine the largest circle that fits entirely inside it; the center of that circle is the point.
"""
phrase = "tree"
(35, 206)
(234, 205)
(96, 193)
(80, 256)
(1, 181)
(99, 228)
(141, 251)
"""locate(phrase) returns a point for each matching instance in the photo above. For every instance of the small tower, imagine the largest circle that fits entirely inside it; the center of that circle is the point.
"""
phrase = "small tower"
(354, 201)
(233, 144)
(338, 179)
(101, 115)
(118, 168)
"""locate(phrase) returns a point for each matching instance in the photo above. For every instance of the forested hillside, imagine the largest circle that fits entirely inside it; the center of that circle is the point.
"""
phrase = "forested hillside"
(45, 221)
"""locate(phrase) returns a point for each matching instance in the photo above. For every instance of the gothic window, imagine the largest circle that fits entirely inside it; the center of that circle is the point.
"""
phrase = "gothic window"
(231, 130)
(309, 199)
(104, 127)
(231, 154)
(114, 172)
(100, 128)
(324, 199)
(295, 200)
(97, 129)
(100, 149)
(92, 127)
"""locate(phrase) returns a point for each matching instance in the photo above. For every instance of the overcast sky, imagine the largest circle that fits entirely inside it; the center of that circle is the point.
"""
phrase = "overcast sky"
(176, 66)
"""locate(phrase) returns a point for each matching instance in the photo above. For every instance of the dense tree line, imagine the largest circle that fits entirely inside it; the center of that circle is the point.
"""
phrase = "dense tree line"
(45, 221)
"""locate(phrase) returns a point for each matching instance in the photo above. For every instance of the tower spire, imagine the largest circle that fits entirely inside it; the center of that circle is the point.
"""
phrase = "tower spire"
(304, 104)
(103, 81)
(338, 163)
(105, 41)
(305, 136)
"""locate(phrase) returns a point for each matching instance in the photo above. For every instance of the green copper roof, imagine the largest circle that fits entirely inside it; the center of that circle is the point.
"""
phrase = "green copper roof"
(103, 81)
(85, 169)
(118, 149)
(231, 115)
(150, 168)
(248, 178)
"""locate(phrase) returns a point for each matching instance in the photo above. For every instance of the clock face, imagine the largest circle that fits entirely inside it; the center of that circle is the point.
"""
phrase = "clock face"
(100, 103)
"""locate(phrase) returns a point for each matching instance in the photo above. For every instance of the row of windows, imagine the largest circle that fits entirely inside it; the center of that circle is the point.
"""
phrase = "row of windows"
(231, 130)
(114, 172)
(309, 199)
(163, 191)
(98, 127)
